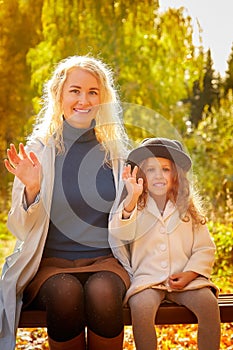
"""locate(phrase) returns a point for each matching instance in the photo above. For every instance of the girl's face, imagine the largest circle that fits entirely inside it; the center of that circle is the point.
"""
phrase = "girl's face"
(159, 176)
(80, 98)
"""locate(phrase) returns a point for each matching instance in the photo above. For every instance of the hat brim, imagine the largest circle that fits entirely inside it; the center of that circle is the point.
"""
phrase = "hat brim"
(160, 151)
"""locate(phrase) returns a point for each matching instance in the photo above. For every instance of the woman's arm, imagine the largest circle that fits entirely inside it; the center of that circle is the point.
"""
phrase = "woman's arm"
(27, 168)
(26, 206)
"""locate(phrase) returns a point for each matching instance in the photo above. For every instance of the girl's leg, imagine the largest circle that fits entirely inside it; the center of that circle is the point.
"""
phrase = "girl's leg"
(104, 293)
(204, 305)
(144, 306)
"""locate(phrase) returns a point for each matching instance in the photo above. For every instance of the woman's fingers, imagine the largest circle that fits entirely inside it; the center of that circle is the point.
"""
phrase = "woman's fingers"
(22, 151)
(12, 156)
(34, 159)
(14, 159)
(8, 166)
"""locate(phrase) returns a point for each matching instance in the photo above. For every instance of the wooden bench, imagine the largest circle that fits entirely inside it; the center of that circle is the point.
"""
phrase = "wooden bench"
(168, 313)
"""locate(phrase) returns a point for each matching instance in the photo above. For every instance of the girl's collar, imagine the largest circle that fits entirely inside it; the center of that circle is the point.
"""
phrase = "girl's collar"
(153, 208)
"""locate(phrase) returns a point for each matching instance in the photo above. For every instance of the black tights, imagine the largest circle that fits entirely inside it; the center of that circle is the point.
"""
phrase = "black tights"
(73, 301)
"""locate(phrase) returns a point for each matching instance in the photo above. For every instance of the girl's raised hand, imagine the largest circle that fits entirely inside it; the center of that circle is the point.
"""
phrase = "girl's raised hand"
(133, 186)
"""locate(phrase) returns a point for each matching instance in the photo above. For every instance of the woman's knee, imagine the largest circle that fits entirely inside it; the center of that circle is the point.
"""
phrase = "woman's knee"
(104, 292)
(62, 290)
(104, 286)
(63, 298)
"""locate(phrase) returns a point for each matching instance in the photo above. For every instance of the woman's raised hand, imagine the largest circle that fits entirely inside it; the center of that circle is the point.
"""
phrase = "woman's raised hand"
(27, 168)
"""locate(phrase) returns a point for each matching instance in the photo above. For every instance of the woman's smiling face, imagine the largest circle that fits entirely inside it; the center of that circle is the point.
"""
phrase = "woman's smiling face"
(80, 98)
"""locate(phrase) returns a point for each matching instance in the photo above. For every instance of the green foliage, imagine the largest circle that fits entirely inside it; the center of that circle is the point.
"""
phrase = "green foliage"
(156, 66)
(17, 33)
(211, 147)
(223, 268)
(161, 55)
(4, 233)
(228, 83)
(205, 91)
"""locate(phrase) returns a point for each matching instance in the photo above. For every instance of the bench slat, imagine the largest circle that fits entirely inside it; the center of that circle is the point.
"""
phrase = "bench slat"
(168, 313)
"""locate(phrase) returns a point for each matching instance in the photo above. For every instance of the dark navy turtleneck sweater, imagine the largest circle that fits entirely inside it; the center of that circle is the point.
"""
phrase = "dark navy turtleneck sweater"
(83, 195)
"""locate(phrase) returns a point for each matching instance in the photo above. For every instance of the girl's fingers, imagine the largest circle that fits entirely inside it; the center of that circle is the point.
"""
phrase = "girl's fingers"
(134, 172)
(140, 181)
(128, 169)
(126, 172)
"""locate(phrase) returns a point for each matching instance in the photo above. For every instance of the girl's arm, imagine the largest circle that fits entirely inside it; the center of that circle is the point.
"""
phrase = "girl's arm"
(123, 222)
(202, 258)
(134, 189)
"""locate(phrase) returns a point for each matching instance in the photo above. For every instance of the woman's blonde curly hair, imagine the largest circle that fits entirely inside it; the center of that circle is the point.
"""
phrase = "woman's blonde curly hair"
(109, 128)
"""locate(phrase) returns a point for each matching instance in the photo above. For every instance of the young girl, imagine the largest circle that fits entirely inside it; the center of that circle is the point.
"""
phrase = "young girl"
(170, 253)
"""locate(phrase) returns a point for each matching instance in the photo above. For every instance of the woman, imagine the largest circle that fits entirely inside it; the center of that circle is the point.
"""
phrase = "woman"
(66, 180)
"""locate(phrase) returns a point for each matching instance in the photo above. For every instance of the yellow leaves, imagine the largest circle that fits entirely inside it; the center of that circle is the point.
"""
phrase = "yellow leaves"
(32, 339)
(177, 337)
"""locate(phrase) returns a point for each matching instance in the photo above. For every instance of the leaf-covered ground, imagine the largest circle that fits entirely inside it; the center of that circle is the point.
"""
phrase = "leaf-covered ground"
(176, 337)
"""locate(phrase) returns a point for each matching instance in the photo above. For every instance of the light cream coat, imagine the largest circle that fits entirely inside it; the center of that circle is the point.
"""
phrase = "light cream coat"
(30, 227)
(160, 246)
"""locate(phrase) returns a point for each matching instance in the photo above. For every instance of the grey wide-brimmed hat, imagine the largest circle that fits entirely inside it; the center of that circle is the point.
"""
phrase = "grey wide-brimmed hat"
(160, 147)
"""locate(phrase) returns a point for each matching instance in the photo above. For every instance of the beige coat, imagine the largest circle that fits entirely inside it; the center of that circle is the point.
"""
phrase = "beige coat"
(30, 227)
(160, 246)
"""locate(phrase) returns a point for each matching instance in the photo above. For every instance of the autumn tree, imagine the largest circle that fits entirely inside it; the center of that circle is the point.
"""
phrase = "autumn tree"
(152, 54)
(228, 83)
(205, 91)
(211, 146)
(17, 33)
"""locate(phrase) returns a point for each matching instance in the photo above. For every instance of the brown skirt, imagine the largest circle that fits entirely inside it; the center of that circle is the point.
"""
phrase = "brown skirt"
(54, 266)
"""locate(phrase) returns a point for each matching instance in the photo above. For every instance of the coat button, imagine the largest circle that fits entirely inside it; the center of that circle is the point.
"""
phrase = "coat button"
(164, 264)
(163, 247)
(162, 229)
